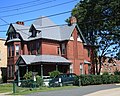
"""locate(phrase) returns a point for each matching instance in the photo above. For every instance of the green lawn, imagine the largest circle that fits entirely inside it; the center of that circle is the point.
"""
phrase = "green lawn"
(5, 88)
(22, 91)
(41, 89)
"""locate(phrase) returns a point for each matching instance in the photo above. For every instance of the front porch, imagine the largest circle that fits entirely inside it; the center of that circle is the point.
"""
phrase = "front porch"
(42, 64)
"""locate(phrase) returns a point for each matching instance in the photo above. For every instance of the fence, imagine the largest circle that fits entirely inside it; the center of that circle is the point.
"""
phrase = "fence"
(24, 85)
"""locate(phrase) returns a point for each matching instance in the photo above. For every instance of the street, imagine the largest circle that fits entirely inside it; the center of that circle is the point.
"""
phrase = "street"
(80, 91)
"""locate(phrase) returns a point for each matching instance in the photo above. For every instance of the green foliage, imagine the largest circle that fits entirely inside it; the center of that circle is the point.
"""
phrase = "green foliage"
(39, 80)
(99, 21)
(105, 73)
(90, 79)
(54, 73)
(29, 82)
(99, 79)
(117, 72)
(28, 76)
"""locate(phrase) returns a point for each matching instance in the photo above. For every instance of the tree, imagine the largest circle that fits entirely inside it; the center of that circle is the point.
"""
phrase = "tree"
(99, 21)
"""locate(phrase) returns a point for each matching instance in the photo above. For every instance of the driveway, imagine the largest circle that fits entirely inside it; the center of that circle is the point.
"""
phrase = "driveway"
(95, 90)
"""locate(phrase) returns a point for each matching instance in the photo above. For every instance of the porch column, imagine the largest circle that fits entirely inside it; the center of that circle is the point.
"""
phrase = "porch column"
(18, 72)
(27, 68)
(56, 67)
(42, 71)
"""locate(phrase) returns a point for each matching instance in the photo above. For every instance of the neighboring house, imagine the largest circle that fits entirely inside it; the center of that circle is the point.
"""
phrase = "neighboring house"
(110, 66)
(44, 47)
(3, 59)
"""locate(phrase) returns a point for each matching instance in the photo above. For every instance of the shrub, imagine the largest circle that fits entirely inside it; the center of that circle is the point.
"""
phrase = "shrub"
(39, 80)
(28, 76)
(105, 73)
(99, 79)
(54, 74)
(117, 72)
(29, 82)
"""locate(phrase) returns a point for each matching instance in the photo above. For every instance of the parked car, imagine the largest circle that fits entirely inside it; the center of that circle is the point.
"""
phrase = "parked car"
(64, 79)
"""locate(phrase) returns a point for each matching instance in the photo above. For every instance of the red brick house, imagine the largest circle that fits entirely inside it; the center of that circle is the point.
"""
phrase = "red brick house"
(45, 46)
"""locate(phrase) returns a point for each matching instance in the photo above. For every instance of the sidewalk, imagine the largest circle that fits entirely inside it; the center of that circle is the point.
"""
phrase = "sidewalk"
(108, 92)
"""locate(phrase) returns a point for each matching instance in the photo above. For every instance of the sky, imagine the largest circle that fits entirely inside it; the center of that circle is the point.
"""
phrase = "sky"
(12, 11)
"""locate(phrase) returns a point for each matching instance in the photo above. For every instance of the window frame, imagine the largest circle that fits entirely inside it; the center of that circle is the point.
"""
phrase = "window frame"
(17, 51)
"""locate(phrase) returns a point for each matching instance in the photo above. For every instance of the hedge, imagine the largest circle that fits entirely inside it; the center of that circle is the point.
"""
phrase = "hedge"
(99, 79)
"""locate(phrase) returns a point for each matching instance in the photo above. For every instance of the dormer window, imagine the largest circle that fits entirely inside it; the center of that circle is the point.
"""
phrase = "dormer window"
(13, 35)
(34, 33)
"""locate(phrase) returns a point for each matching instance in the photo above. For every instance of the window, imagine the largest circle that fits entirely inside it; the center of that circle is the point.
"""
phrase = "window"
(9, 51)
(32, 49)
(17, 48)
(34, 33)
(81, 68)
(17, 35)
(38, 47)
(12, 50)
(63, 48)
(58, 50)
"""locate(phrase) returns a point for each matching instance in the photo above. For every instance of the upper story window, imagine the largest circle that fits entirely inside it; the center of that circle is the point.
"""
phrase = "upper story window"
(12, 50)
(32, 48)
(17, 49)
(9, 52)
(13, 35)
(58, 50)
(63, 48)
(38, 47)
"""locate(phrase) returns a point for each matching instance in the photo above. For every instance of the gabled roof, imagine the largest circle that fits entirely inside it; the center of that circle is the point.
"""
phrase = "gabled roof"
(48, 30)
(31, 59)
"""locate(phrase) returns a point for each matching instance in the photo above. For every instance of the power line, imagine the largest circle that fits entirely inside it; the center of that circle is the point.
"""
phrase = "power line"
(42, 17)
(65, 13)
(45, 27)
(19, 4)
(4, 21)
(40, 9)
(34, 5)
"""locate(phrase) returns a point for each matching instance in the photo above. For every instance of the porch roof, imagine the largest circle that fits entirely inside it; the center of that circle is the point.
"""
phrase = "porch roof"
(32, 59)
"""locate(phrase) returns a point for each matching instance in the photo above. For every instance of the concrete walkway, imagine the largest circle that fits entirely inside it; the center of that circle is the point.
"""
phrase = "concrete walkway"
(108, 92)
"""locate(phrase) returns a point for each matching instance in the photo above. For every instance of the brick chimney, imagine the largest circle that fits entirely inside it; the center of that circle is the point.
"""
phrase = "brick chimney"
(20, 22)
(73, 20)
